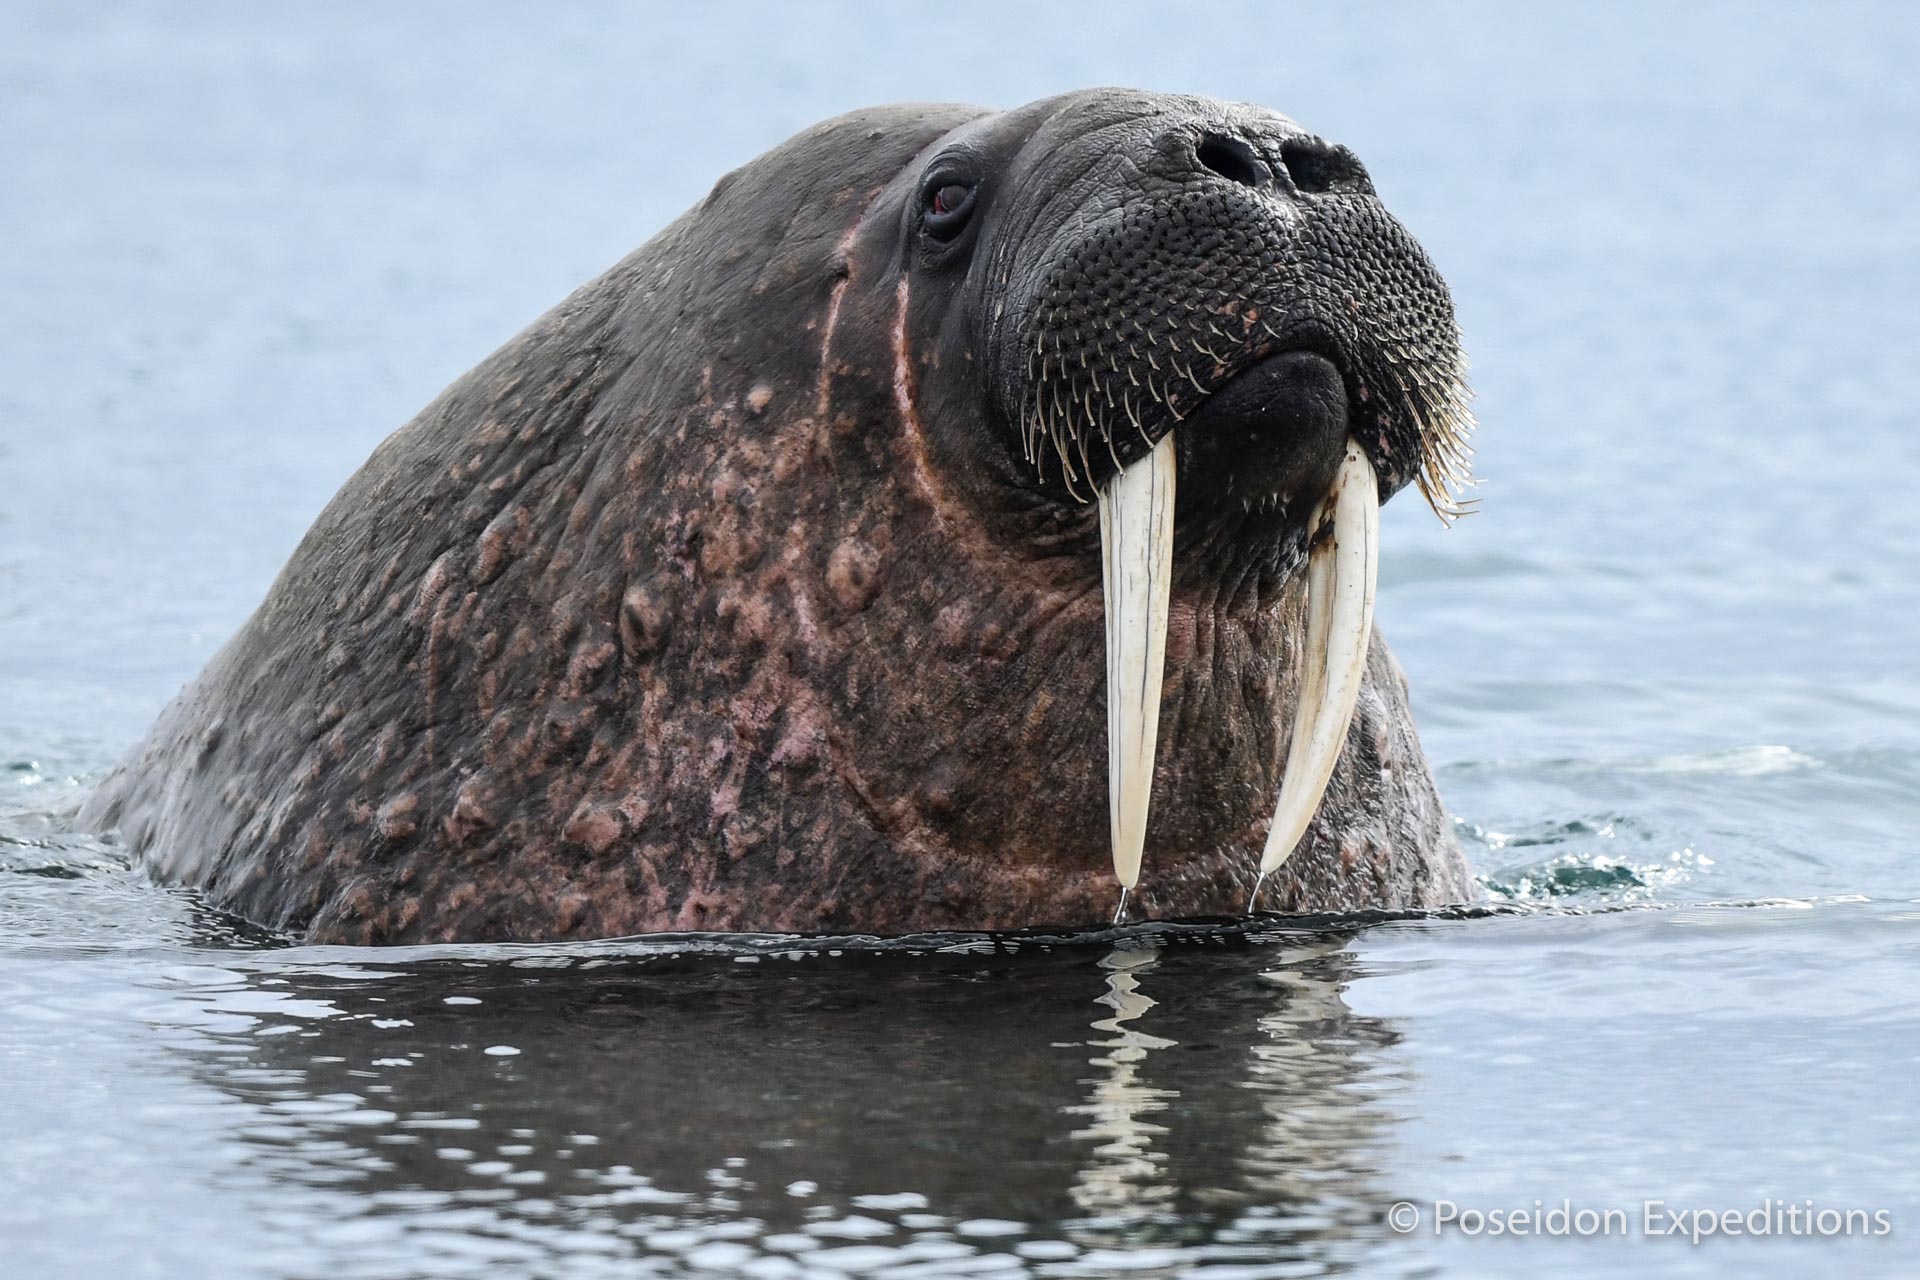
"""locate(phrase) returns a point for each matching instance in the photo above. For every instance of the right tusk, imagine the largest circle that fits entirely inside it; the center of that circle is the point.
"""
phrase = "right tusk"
(1136, 561)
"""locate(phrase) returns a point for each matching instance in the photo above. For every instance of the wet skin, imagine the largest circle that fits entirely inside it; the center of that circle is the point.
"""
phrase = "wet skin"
(756, 586)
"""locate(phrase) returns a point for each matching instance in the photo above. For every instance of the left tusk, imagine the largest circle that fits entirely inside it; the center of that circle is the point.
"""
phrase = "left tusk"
(1342, 565)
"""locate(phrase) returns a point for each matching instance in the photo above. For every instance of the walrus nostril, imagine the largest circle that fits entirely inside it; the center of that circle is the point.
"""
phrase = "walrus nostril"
(1232, 159)
(1316, 166)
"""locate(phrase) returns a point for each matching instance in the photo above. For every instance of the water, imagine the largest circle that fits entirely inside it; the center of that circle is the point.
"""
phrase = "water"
(1667, 678)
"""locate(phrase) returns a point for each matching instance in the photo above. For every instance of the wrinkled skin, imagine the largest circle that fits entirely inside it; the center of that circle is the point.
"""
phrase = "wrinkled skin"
(727, 596)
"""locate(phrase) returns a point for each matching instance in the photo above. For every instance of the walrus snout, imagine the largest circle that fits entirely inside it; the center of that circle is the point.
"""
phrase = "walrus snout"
(1219, 240)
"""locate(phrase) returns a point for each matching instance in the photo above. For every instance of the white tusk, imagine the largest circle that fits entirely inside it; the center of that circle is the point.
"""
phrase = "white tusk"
(1136, 565)
(1342, 562)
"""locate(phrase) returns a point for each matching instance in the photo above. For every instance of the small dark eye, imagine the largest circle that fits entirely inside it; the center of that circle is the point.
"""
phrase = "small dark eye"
(949, 205)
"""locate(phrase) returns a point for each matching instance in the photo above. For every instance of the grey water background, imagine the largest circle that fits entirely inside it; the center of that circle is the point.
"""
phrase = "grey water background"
(1667, 676)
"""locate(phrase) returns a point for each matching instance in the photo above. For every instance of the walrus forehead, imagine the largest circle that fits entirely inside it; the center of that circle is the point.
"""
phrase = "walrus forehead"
(1076, 146)
(1063, 121)
(1054, 158)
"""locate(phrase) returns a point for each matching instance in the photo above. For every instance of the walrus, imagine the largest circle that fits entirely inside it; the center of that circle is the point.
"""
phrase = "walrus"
(955, 513)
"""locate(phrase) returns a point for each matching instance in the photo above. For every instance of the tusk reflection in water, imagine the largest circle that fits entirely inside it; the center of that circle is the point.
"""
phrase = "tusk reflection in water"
(1310, 1069)
(1125, 1179)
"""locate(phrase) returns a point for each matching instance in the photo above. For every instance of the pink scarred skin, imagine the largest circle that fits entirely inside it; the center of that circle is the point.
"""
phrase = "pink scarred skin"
(711, 602)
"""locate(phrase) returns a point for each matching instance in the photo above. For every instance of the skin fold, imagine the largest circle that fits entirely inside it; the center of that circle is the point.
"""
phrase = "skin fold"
(734, 594)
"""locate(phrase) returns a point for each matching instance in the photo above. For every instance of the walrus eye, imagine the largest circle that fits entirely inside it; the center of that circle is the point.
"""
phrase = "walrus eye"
(949, 205)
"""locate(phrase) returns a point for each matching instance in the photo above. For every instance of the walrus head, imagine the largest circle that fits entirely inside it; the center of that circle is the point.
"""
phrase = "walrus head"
(1146, 288)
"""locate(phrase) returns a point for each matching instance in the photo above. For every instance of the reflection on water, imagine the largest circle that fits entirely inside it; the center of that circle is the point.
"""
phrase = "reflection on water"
(1120, 1182)
(1173, 1099)
(181, 1098)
